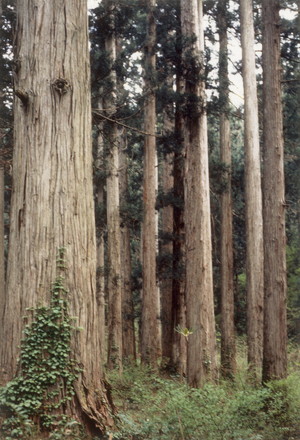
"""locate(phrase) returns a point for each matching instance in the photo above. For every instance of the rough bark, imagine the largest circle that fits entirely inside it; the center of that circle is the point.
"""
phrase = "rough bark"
(52, 199)
(129, 346)
(150, 333)
(228, 350)
(2, 243)
(114, 283)
(166, 250)
(275, 326)
(179, 356)
(100, 200)
(201, 362)
(254, 220)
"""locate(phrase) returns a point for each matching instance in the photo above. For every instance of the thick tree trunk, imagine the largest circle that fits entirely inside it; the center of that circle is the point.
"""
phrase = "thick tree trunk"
(275, 326)
(150, 334)
(129, 347)
(52, 200)
(254, 220)
(201, 363)
(228, 351)
(114, 283)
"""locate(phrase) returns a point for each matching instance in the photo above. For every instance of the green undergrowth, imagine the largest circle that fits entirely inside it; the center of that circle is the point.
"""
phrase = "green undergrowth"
(35, 401)
(156, 407)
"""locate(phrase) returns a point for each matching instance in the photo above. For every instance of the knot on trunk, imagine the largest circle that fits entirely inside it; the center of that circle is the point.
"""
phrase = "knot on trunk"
(61, 86)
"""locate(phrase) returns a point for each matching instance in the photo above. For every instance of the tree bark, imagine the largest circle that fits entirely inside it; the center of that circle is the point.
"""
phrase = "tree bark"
(166, 250)
(228, 350)
(114, 283)
(201, 362)
(2, 241)
(275, 326)
(150, 333)
(129, 345)
(100, 200)
(52, 199)
(254, 219)
(2, 246)
(179, 357)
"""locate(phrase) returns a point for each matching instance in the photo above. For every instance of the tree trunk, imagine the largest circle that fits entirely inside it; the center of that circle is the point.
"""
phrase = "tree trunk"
(114, 283)
(179, 356)
(254, 220)
(228, 351)
(52, 200)
(150, 334)
(275, 326)
(2, 245)
(2, 242)
(201, 362)
(166, 250)
(100, 200)
(129, 347)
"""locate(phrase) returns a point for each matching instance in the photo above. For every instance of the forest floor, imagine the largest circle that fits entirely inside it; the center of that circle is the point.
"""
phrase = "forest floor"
(160, 406)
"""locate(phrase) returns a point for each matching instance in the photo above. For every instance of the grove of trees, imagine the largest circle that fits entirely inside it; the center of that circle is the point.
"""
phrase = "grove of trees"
(145, 216)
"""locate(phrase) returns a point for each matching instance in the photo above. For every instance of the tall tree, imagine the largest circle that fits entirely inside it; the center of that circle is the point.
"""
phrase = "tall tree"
(275, 326)
(100, 230)
(201, 360)
(150, 334)
(178, 302)
(166, 249)
(52, 200)
(228, 351)
(114, 282)
(254, 220)
(128, 332)
(2, 244)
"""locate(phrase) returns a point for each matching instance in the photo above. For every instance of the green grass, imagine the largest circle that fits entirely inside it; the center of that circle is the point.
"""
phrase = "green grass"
(153, 406)
(158, 406)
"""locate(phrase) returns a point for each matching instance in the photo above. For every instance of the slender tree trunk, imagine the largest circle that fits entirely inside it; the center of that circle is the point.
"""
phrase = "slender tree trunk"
(2, 245)
(167, 249)
(150, 334)
(201, 362)
(52, 200)
(167, 329)
(2, 242)
(129, 347)
(228, 351)
(114, 283)
(254, 220)
(275, 326)
(178, 301)
(100, 200)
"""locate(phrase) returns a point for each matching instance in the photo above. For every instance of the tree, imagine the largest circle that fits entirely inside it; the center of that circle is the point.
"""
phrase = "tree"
(114, 282)
(52, 200)
(150, 334)
(100, 229)
(201, 361)
(167, 245)
(254, 221)
(275, 330)
(128, 333)
(2, 244)
(228, 351)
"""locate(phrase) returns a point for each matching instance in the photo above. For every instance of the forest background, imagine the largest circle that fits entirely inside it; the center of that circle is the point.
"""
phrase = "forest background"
(161, 324)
